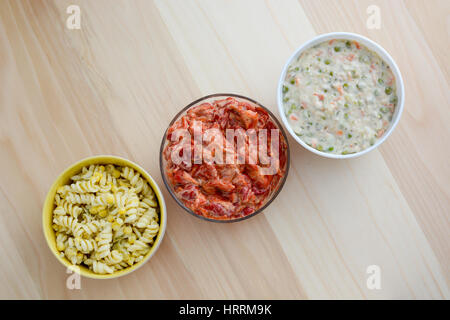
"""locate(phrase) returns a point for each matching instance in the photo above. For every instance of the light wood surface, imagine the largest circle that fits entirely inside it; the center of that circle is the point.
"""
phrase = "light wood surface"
(113, 86)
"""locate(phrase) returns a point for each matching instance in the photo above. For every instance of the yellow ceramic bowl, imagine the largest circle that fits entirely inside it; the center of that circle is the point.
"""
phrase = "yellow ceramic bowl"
(64, 178)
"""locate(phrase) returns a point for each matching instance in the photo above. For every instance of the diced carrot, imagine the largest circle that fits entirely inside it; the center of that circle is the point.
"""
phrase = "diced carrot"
(297, 81)
(320, 96)
(380, 133)
(331, 41)
(339, 88)
(319, 53)
(294, 117)
(357, 44)
(339, 132)
(350, 57)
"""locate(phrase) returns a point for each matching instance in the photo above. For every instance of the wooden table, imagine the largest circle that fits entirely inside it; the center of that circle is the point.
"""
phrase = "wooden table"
(112, 87)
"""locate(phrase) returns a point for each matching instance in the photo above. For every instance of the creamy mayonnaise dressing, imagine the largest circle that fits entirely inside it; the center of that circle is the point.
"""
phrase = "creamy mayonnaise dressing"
(339, 96)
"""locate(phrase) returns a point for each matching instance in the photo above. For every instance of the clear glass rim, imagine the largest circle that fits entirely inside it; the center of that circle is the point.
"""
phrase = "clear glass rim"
(280, 183)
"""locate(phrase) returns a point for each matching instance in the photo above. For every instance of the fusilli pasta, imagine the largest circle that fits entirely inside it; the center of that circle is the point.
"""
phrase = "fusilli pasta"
(106, 219)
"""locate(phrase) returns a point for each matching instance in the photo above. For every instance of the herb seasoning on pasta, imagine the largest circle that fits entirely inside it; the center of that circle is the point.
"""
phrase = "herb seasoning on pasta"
(106, 219)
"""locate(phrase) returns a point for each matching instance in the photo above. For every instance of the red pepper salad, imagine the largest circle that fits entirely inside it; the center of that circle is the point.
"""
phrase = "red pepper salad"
(225, 159)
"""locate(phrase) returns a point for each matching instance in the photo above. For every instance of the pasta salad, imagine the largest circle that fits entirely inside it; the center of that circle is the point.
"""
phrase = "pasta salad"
(106, 219)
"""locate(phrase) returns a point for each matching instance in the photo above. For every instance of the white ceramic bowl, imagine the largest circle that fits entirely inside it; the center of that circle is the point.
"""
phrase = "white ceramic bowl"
(372, 46)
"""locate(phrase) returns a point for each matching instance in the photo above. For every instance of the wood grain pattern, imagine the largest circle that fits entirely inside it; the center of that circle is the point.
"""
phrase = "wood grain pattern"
(113, 86)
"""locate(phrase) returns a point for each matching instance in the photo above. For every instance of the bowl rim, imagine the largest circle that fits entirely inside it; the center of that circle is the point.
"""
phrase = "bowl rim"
(48, 206)
(372, 46)
(195, 102)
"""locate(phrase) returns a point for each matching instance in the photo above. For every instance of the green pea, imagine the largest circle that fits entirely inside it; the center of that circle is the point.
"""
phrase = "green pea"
(319, 147)
(388, 90)
(292, 108)
(327, 61)
(346, 115)
(337, 49)
(349, 136)
(348, 44)
(345, 85)
(285, 89)
(292, 81)
(394, 100)
(364, 59)
(344, 152)
(331, 73)
(346, 105)
(330, 148)
(384, 110)
(380, 81)
(297, 68)
(286, 99)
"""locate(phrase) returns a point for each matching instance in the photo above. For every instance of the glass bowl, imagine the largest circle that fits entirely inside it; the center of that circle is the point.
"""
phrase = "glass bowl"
(210, 98)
